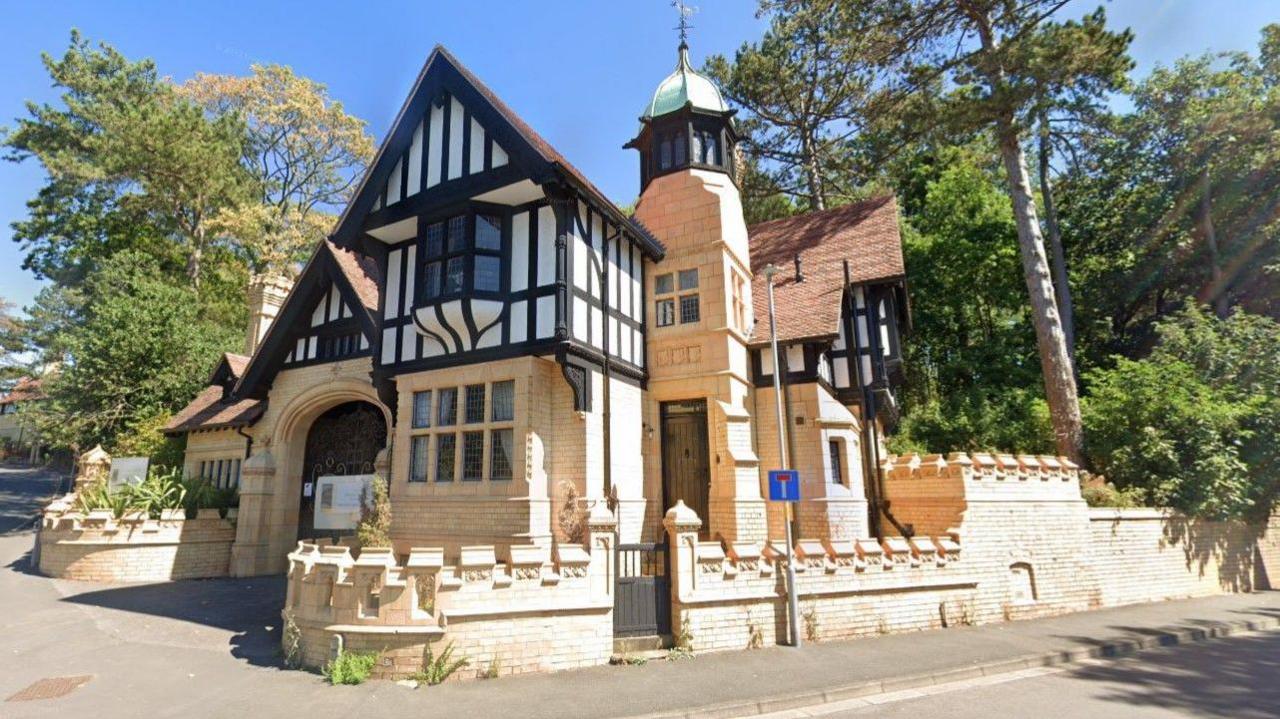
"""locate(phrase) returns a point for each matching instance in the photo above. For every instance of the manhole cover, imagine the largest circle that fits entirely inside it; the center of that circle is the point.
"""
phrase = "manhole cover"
(49, 688)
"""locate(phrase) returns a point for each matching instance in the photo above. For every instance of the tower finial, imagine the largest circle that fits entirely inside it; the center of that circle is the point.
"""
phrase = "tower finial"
(686, 12)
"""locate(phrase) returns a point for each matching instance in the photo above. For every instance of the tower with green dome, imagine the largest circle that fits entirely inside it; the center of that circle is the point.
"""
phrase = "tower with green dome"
(685, 124)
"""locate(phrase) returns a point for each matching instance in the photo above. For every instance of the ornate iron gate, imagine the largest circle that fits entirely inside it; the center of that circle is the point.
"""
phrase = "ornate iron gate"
(642, 595)
(344, 440)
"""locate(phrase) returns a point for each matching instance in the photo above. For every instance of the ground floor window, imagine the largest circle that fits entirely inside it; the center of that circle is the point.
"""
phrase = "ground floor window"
(472, 438)
(835, 454)
(221, 473)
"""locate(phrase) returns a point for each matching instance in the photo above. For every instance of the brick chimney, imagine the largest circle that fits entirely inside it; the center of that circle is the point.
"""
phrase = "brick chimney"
(267, 293)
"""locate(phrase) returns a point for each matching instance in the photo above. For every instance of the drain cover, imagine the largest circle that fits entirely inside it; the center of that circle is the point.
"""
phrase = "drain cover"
(49, 688)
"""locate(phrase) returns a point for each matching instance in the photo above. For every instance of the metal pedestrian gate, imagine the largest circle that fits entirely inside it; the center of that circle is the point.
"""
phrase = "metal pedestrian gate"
(642, 596)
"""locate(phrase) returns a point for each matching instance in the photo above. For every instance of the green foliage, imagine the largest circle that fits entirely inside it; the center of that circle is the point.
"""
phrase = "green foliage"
(374, 529)
(438, 667)
(350, 667)
(1193, 425)
(1106, 495)
(972, 375)
(162, 489)
(139, 347)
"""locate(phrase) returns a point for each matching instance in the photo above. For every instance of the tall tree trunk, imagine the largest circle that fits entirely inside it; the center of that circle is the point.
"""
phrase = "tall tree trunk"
(1217, 289)
(1055, 361)
(817, 199)
(1057, 254)
(195, 258)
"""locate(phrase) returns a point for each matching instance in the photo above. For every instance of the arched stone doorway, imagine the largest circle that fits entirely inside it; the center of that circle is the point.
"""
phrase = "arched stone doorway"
(343, 440)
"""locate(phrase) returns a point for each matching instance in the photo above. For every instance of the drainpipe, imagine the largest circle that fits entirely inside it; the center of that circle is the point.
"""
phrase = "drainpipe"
(607, 416)
(248, 442)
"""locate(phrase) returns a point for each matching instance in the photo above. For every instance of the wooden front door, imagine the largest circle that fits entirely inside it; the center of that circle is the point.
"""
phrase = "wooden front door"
(344, 440)
(686, 469)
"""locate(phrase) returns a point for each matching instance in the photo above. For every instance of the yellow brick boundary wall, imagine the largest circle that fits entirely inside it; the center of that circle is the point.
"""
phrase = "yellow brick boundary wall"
(1031, 547)
(540, 610)
(97, 547)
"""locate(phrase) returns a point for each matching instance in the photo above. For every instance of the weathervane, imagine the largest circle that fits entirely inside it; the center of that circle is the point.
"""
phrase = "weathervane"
(686, 12)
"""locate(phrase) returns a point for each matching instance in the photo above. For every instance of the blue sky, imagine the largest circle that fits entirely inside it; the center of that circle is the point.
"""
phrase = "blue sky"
(578, 72)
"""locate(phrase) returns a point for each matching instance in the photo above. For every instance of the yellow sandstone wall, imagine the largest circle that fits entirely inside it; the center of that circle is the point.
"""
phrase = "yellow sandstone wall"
(100, 548)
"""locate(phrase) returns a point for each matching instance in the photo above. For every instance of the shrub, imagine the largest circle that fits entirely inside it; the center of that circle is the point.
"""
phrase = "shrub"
(1105, 494)
(162, 489)
(1193, 425)
(374, 529)
(350, 667)
(437, 668)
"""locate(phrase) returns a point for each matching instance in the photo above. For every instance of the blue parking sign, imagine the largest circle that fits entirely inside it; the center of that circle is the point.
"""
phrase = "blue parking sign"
(784, 485)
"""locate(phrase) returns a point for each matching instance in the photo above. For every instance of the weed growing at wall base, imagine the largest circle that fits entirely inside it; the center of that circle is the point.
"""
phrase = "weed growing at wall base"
(350, 667)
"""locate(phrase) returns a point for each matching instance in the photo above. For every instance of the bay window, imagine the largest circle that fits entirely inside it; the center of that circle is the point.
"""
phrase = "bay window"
(461, 255)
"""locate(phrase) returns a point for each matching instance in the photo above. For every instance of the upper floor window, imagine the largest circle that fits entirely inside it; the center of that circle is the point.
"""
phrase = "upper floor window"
(685, 305)
(461, 254)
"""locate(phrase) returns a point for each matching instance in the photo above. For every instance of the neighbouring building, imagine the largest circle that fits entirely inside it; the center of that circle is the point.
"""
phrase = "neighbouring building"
(18, 437)
(509, 341)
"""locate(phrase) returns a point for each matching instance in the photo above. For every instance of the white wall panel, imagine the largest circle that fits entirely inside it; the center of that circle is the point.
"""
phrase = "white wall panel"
(519, 321)
(580, 318)
(411, 259)
(499, 155)
(545, 324)
(435, 138)
(391, 298)
(519, 251)
(477, 147)
(389, 345)
(456, 120)
(546, 246)
(415, 161)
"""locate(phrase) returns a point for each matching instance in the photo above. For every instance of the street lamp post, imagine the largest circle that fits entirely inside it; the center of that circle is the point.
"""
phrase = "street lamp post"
(793, 609)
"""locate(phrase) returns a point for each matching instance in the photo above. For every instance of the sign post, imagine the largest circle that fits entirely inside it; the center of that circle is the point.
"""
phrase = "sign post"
(787, 480)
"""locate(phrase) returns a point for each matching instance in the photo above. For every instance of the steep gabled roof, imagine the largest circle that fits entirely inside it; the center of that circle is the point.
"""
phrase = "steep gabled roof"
(442, 69)
(864, 233)
(358, 281)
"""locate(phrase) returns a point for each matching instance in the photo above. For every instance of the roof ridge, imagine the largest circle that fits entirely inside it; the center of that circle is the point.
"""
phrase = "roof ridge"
(888, 195)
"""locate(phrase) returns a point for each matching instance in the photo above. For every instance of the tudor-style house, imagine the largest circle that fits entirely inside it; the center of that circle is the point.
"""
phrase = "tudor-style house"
(490, 332)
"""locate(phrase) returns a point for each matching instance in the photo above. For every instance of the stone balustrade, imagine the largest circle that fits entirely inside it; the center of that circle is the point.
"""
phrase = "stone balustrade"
(540, 609)
(733, 596)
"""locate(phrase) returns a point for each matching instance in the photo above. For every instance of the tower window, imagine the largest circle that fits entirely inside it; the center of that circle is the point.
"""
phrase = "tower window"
(666, 312)
(836, 457)
(679, 148)
(689, 309)
(664, 154)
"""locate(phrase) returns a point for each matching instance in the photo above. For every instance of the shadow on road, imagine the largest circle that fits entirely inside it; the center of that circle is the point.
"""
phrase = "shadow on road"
(248, 608)
(1226, 678)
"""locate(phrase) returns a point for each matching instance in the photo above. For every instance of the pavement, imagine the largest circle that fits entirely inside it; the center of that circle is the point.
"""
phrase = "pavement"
(209, 649)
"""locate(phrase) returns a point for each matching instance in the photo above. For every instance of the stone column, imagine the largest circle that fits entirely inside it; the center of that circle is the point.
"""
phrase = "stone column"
(682, 526)
(94, 465)
(602, 538)
(257, 485)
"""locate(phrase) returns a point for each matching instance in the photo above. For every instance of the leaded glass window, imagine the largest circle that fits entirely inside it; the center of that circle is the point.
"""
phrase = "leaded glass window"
(418, 458)
(421, 409)
(446, 444)
(448, 410)
(472, 456)
(504, 401)
(500, 441)
(475, 403)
